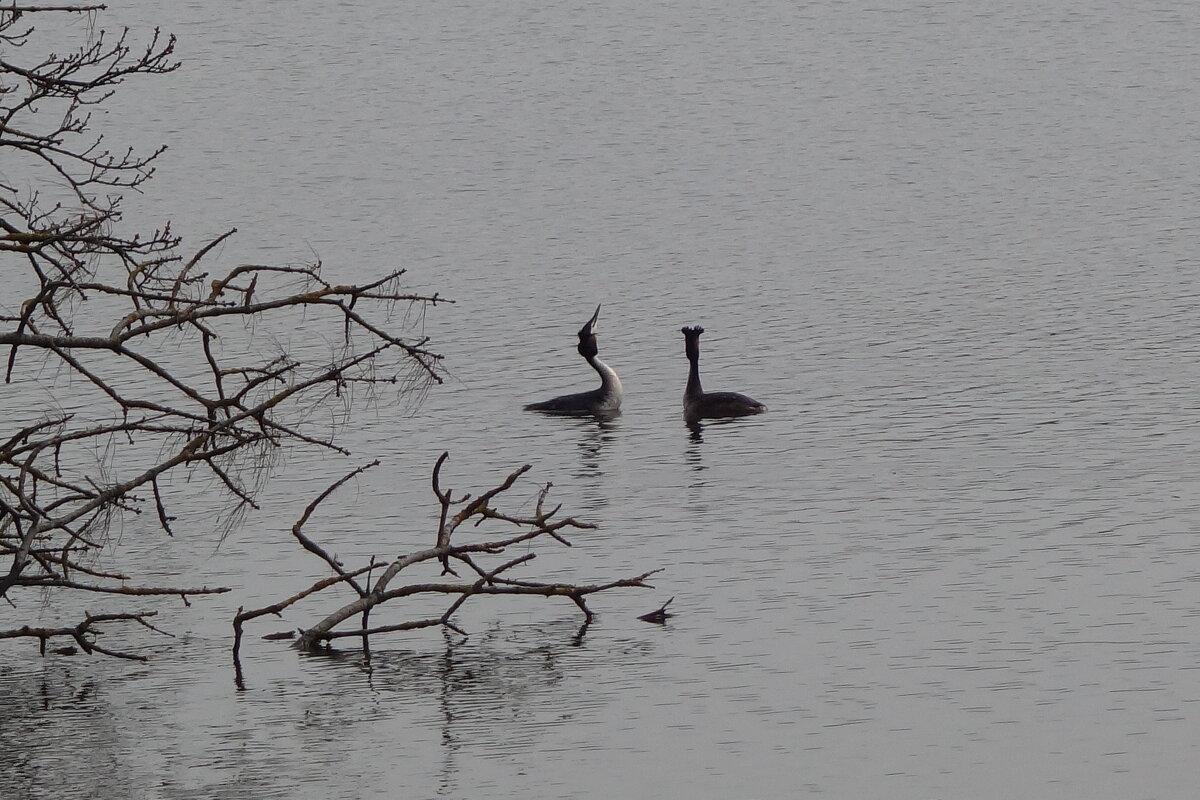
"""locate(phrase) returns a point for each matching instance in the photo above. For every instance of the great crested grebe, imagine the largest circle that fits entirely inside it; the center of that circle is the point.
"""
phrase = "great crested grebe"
(603, 401)
(699, 404)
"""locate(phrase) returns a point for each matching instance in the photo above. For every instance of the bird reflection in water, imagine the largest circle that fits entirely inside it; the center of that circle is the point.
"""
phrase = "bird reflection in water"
(696, 439)
(594, 435)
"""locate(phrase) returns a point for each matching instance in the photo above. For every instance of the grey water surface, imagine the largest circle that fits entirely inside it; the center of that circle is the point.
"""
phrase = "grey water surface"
(951, 245)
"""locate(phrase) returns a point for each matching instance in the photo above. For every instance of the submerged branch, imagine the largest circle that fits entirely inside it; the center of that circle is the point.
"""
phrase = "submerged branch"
(80, 633)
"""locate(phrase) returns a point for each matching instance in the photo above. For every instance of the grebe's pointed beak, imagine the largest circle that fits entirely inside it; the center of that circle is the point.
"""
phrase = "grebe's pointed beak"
(590, 328)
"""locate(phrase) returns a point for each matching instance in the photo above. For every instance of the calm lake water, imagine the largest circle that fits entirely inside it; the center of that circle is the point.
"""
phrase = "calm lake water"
(950, 245)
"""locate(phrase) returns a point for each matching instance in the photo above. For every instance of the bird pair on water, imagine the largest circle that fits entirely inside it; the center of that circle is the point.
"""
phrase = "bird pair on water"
(697, 403)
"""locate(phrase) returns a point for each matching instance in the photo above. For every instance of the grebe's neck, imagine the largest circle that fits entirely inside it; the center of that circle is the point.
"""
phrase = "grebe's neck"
(610, 385)
(693, 384)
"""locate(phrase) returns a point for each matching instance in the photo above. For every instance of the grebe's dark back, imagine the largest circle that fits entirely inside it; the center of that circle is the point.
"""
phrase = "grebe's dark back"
(699, 404)
(601, 402)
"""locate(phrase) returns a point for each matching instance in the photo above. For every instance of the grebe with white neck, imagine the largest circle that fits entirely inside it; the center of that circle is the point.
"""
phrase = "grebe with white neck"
(603, 401)
(699, 404)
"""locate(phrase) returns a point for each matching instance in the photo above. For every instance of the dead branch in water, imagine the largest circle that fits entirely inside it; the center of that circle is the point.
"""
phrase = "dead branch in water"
(81, 633)
(489, 580)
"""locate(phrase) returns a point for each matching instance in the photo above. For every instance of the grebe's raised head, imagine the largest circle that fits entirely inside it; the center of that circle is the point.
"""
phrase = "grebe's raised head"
(587, 337)
(691, 339)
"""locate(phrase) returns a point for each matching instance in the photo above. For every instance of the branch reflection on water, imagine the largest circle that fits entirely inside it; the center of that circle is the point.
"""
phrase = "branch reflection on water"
(497, 693)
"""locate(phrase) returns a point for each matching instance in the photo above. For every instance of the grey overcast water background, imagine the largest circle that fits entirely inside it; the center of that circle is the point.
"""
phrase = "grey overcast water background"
(951, 245)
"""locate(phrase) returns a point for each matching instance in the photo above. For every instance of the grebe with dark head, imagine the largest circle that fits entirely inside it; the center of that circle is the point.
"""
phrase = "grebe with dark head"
(699, 404)
(601, 402)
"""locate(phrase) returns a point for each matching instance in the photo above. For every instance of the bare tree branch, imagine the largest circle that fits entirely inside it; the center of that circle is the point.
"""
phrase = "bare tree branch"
(80, 633)
(158, 343)
(491, 581)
